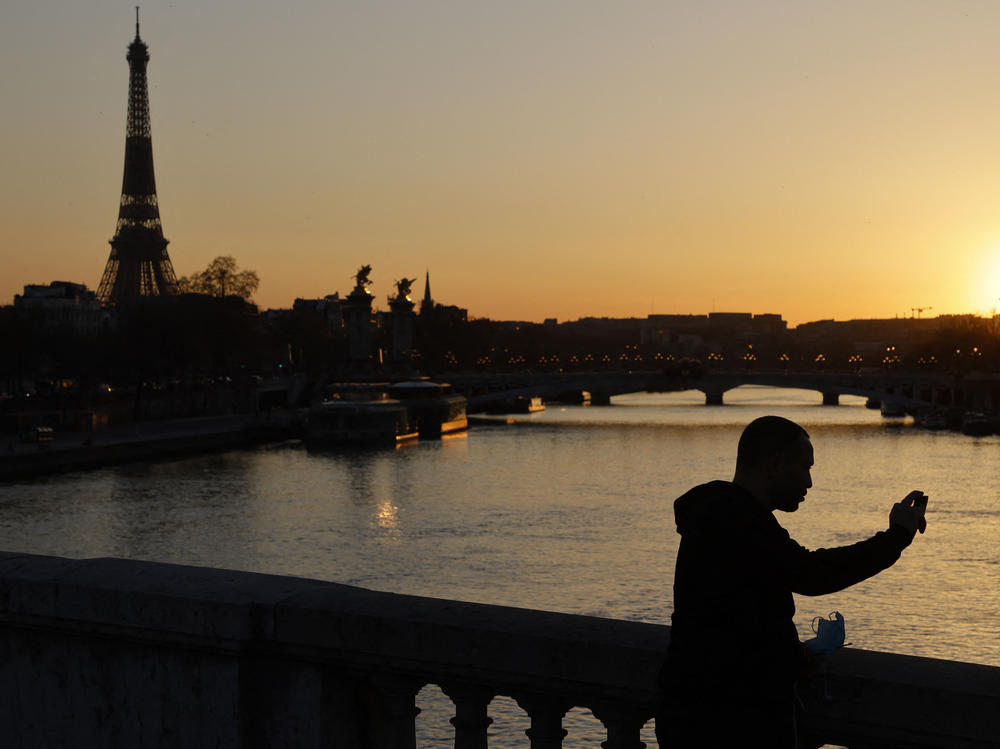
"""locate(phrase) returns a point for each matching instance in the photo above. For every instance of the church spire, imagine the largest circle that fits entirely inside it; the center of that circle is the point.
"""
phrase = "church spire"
(427, 305)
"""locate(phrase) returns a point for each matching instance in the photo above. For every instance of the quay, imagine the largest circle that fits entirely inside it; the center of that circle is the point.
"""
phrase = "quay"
(426, 409)
(140, 440)
(141, 654)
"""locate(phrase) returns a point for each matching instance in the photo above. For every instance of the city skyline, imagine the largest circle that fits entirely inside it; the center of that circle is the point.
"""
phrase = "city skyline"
(616, 161)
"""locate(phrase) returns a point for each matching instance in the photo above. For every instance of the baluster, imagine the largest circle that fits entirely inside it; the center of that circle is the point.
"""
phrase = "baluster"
(471, 720)
(393, 720)
(342, 715)
(546, 715)
(623, 723)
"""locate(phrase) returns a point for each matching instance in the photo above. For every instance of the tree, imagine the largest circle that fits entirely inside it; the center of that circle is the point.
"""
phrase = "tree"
(221, 278)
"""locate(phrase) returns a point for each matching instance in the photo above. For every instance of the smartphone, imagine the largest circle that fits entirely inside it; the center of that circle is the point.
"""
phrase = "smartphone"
(920, 503)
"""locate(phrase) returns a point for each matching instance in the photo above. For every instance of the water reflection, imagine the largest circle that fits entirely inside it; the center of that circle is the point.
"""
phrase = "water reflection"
(210, 496)
(387, 521)
(360, 476)
(454, 440)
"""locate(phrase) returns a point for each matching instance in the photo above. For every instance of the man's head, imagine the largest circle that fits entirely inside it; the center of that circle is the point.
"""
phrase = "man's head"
(773, 462)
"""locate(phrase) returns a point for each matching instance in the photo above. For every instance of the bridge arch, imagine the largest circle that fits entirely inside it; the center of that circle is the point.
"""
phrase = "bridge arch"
(914, 393)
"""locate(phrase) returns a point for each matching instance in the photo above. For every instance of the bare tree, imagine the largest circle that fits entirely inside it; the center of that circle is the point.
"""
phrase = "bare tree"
(221, 278)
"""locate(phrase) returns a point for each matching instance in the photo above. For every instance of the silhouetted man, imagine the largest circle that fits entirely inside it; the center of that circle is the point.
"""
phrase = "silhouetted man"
(734, 653)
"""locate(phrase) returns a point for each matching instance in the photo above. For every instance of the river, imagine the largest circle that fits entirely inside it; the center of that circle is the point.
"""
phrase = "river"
(568, 510)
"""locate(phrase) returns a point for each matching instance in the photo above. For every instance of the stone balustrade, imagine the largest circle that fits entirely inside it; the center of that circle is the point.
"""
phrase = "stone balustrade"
(118, 653)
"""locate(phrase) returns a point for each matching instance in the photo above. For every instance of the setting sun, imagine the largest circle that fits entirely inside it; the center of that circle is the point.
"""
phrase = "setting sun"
(985, 283)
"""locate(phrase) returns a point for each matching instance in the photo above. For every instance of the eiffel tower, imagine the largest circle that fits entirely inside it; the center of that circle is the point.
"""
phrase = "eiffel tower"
(138, 264)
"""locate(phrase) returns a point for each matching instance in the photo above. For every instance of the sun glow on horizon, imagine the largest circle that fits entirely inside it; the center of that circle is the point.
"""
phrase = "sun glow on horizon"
(984, 282)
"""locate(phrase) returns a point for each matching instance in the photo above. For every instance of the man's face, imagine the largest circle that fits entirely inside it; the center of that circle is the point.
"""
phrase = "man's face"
(789, 479)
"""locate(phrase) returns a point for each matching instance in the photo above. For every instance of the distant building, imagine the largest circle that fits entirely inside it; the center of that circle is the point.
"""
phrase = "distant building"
(769, 323)
(872, 336)
(742, 326)
(439, 314)
(63, 304)
(330, 307)
(450, 314)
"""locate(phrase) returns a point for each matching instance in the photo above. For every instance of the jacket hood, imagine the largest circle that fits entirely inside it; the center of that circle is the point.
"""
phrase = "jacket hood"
(705, 500)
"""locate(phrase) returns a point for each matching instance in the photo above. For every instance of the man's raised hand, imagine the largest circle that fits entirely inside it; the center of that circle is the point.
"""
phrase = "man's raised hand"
(909, 512)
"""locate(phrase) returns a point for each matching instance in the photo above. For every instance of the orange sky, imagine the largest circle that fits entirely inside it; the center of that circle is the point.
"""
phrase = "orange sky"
(541, 159)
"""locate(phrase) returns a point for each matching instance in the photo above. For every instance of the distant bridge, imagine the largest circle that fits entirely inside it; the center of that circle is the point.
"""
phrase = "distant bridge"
(914, 392)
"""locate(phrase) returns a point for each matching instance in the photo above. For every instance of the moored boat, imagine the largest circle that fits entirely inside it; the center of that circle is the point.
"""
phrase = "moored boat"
(518, 404)
(385, 413)
(978, 425)
(934, 420)
(893, 410)
(433, 410)
(358, 419)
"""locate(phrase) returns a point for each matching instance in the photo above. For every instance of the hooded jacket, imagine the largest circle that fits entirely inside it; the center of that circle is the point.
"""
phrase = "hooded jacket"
(735, 574)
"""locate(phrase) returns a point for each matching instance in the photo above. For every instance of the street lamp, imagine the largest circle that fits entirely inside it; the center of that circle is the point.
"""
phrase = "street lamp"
(891, 360)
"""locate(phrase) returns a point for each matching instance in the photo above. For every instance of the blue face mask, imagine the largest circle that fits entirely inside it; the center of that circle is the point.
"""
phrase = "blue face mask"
(830, 634)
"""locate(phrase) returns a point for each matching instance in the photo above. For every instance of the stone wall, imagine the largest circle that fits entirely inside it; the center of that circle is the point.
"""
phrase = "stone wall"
(142, 654)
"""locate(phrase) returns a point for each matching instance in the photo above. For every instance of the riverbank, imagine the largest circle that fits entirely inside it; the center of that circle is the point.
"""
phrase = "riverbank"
(70, 451)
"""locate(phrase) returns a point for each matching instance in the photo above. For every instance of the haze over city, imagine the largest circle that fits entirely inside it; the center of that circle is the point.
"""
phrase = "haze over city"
(540, 159)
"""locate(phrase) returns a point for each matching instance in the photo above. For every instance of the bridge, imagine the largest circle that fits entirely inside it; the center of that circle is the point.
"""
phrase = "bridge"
(118, 653)
(915, 392)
